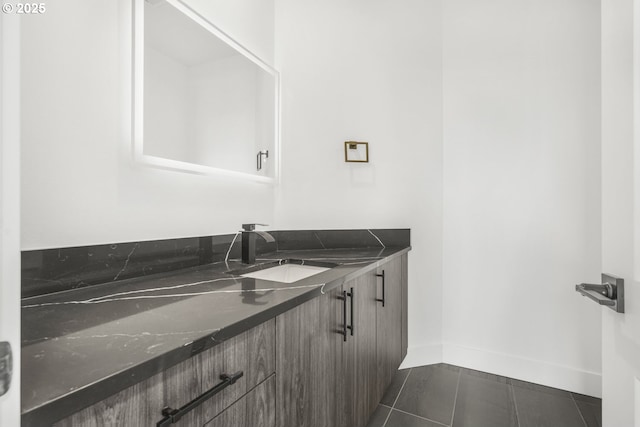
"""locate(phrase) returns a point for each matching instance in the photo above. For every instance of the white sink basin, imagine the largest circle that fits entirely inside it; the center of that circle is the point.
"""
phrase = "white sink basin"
(287, 273)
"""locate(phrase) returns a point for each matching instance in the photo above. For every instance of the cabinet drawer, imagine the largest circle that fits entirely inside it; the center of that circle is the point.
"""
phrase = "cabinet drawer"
(252, 352)
(255, 409)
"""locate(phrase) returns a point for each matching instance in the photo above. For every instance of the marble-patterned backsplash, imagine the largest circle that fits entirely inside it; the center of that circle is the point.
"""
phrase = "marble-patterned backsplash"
(53, 270)
(341, 239)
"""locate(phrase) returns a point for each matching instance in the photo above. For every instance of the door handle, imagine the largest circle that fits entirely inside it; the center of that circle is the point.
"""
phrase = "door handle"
(610, 293)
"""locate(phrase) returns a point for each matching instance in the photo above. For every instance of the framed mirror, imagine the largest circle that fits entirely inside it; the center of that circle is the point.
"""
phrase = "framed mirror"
(202, 102)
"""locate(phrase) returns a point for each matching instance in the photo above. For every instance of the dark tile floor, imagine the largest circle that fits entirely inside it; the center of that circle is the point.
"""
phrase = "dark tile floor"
(446, 395)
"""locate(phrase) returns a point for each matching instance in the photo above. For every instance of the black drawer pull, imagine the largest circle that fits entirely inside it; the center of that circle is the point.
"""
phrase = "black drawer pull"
(351, 295)
(344, 315)
(172, 416)
(379, 299)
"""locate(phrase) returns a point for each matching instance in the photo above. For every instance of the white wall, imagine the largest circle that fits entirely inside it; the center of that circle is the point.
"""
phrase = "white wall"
(79, 185)
(367, 70)
(521, 188)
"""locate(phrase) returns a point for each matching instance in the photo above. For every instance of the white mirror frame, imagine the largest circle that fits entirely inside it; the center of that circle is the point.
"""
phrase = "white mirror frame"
(138, 99)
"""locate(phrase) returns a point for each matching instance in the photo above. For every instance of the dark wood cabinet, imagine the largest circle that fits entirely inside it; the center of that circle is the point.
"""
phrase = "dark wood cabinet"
(256, 409)
(389, 322)
(252, 352)
(309, 362)
(359, 354)
(325, 380)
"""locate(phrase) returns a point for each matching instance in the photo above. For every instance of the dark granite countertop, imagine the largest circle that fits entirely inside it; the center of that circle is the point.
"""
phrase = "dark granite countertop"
(83, 345)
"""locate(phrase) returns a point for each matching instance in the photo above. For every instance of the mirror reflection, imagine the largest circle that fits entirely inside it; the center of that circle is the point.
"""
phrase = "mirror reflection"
(208, 103)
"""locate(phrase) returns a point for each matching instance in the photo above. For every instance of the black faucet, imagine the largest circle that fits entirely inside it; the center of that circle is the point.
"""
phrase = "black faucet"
(249, 233)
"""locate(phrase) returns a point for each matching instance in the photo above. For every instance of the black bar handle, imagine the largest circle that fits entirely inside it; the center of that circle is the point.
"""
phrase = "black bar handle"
(344, 315)
(172, 416)
(383, 298)
(351, 295)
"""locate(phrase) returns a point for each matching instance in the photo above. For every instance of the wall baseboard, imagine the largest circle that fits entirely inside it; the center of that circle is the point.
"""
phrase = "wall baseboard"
(508, 365)
(422, 355)
(535, 371)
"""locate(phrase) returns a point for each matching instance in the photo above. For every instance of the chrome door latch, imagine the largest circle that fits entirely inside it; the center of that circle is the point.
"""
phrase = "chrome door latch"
(610, 293)
(6, 367)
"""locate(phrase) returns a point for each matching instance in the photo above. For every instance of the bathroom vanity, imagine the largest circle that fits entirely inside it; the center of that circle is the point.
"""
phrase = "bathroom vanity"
(205, 345)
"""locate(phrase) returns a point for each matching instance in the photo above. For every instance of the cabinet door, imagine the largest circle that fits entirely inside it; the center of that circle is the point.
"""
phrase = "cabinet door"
(256, 409)
(389, 322)
(309, 363)
(359, 396)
